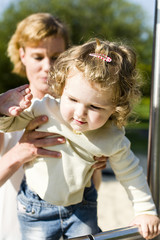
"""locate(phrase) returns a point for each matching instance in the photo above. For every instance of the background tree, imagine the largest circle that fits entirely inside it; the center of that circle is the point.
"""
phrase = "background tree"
(107, 19)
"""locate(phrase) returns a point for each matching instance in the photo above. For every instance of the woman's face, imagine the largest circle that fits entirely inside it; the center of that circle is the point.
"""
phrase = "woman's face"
(37, 61)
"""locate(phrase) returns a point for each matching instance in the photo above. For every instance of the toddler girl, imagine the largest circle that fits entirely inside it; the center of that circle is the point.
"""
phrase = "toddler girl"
(97, 86)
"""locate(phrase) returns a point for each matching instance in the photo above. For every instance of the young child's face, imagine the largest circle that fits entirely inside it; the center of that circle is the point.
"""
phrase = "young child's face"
(84, 107)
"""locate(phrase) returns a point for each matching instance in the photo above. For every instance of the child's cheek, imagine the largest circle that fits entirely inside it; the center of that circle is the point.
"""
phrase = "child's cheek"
(66, 113)
(98, 120)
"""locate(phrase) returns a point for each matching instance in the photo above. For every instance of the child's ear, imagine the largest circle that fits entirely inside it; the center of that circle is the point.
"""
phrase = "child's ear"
(22, 55)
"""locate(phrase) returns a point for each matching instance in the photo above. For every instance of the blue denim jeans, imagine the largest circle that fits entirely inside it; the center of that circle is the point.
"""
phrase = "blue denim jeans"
(42, 220)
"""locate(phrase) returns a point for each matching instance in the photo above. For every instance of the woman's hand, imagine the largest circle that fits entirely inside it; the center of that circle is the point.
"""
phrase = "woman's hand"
(28, 148)
(36, 140)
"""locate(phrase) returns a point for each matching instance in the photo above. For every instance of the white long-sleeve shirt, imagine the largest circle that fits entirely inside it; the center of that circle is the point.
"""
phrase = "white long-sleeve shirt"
(62, 181)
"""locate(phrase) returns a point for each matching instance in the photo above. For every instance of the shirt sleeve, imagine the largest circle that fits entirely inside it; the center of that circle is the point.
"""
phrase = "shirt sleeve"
(130, 174)
(11, 124)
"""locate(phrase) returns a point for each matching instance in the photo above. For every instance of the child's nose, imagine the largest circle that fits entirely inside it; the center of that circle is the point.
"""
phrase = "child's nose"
(81, 111)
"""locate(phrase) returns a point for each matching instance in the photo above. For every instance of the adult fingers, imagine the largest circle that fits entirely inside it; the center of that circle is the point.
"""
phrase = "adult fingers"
(46, 142)
(38, 134)
(35, 123)
(47, 153)
(40, 139)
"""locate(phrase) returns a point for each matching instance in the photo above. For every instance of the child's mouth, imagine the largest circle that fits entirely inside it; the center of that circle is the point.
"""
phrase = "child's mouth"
(79, 122)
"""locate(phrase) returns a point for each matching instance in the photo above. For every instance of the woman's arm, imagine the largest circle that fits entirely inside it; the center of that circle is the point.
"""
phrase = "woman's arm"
(28, 148)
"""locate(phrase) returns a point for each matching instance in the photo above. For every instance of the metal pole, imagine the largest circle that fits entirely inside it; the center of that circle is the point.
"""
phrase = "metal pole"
(127, 233)
(154, 125)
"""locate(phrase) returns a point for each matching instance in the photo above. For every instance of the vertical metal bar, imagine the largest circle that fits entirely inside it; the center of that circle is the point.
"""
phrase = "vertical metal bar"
(154, 125)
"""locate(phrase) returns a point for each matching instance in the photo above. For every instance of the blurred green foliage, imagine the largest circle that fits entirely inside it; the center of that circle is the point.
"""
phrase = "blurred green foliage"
(107, 19)
(137, 132)
(141, 112)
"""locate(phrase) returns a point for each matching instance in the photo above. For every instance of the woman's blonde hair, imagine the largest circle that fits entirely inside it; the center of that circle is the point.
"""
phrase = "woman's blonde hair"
(119, 75)
(30, 31)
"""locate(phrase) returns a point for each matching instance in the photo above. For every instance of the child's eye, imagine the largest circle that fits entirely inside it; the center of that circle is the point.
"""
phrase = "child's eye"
(94, 107)
(72, 99)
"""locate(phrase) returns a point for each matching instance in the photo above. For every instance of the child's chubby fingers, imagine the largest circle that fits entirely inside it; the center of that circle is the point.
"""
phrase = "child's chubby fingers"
(154, 230)
(26, 92)
(26, 103)
(149, 225)
(144, 231)
(28, 96)
(14, 111)
(24, 88)
(151, 229)
(27, 100)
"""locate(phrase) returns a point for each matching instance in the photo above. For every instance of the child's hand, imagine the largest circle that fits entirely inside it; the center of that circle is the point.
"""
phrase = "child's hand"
(149, 225)
(15, 101)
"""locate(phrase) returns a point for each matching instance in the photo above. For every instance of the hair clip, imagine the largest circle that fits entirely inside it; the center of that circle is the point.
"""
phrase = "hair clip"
(101, 56)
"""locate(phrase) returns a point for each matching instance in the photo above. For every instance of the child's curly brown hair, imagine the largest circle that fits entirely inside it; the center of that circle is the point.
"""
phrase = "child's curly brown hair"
(120, 75)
